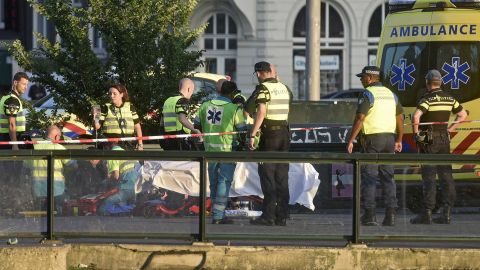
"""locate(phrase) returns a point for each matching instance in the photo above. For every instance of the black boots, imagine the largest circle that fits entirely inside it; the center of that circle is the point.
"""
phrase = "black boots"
(389, 219)
(368, 218)
(423, 218)
(445, 217)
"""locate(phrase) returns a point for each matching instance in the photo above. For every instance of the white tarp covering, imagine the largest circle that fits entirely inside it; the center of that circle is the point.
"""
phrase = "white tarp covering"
(184, 177)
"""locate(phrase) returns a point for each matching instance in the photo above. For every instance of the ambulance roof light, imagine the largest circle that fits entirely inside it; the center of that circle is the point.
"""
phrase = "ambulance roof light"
(403, 5)
(400, 5)
(466, 3)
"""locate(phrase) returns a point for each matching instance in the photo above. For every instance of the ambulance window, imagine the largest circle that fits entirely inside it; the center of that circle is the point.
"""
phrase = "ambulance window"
(459, 64)
(403, 68)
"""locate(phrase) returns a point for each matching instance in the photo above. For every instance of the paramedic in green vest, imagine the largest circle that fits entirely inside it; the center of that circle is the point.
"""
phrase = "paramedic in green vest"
(123, 175)
(38, 170)
(270, 108)
(12, 114)
(119, 118)
(175, 116)
(379, 120)
(221, 115)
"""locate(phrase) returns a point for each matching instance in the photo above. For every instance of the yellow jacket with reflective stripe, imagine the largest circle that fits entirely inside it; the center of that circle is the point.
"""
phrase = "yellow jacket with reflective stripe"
(21, 120)
(381, 118)
(279, 104)
(117, 116)
(170, 117)
(38, 168)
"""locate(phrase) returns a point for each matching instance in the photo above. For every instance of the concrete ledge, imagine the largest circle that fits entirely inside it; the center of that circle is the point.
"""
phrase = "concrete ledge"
(80, 256)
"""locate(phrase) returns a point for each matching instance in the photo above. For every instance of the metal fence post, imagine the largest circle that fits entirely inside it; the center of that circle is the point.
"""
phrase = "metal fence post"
(203, 196)
(50, 193)
(356, 202)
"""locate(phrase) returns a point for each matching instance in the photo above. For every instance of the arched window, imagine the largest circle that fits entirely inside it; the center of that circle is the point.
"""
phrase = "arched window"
(332, 60)
(374, 30)
(220, 44)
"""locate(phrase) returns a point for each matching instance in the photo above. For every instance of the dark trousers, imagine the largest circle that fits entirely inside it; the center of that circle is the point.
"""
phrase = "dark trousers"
(440, 145)
(274, 176)
(175, 144)
(371, 173)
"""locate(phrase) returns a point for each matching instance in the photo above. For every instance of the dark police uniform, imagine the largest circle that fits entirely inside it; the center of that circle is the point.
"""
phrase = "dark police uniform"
(11, 106)
(380, 107)
(275, 136)
(436, 106)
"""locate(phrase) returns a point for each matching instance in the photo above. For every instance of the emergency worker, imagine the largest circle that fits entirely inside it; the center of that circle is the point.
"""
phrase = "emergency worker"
(237, 97)
(271, 102)
(119, 118)
(436, 106)
(175, 116)
(38, 170)
(221, 115)
(122, 175)
(12, 114)
(379, 119)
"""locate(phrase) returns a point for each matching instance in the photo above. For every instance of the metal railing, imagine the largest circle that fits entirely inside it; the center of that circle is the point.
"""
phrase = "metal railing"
(357, 160)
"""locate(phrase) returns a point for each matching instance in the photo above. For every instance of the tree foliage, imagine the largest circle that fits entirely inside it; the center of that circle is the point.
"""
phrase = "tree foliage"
(146, 41)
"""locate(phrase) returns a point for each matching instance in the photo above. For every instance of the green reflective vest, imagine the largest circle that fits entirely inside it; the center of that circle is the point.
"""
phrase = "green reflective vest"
(220, 115)
(38, 168)
(21, 120)
(279, 104)
(170, 118)
(118, 121)
(381, 118)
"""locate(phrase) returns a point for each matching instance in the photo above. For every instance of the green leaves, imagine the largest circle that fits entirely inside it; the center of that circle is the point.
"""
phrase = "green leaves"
(146, 44)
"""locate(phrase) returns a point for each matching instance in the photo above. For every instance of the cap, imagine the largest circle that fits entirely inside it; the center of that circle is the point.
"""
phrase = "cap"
(228, 87)
(369, 70)
(263, 66)
(433, 75)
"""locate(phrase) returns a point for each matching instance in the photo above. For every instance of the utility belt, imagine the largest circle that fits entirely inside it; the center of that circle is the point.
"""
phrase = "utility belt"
(432, 132)
(273, 125)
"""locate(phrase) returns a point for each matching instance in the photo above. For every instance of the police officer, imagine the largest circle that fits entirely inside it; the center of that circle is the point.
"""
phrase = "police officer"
(436, 106)
(221, 115)
(12, 114)
(379, 119)
(271, 102)
(119, 118)
(175, 116)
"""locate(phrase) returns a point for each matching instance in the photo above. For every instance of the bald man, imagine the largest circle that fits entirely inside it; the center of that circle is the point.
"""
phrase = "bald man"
(175, 116)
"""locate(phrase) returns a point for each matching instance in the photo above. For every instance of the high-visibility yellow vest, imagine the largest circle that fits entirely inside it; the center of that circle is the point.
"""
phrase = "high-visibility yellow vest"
(381, 118)
(21, 120)
(279, 104)
(219, 115)
(118, 121)
(170, 117)
(38, 168)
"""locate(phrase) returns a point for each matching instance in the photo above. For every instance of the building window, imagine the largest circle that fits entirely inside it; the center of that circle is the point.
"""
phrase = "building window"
(44, 28)
(2, 14)
(332, 60)
(220, 44)
(374, 31)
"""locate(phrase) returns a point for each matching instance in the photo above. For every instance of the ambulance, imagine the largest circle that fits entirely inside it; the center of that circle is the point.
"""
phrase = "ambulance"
(436, 34)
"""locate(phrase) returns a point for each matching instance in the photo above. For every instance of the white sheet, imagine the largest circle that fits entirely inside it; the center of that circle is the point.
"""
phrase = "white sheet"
(184, 177)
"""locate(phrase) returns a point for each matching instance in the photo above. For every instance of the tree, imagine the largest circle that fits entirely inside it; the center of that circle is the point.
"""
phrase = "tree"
(147, 45)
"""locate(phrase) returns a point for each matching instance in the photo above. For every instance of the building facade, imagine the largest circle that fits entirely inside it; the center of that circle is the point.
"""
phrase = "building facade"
(243, 32)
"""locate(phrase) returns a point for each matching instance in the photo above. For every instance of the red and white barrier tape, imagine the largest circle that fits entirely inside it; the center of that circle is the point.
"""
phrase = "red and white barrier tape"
(144, 138)
(163, 137)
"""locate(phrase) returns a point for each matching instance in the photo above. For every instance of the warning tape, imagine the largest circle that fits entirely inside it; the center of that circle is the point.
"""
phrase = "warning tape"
(144, 138)
(181, 136)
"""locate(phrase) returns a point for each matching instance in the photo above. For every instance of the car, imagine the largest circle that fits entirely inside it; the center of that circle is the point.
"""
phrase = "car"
(205, 89)
(350, 94)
